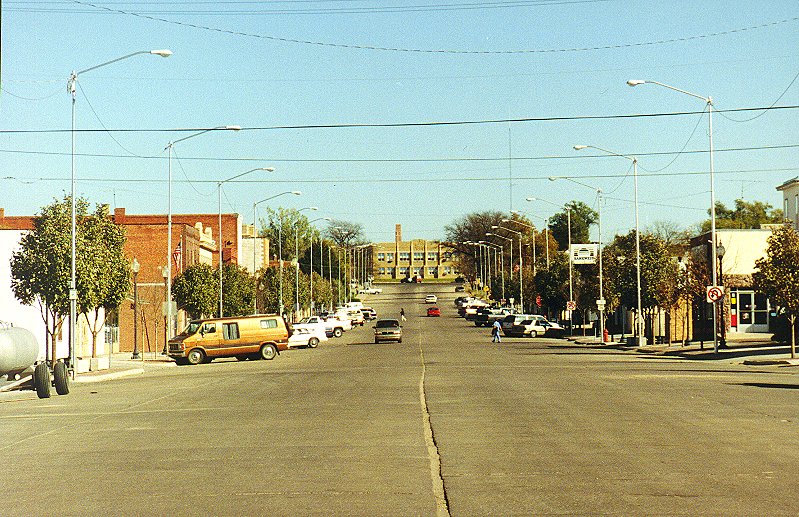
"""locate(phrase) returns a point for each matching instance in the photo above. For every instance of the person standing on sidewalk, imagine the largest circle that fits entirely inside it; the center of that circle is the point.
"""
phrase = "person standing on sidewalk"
(495, 337)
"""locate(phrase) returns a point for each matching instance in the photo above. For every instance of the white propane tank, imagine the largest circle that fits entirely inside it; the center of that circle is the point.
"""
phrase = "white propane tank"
(18, 349)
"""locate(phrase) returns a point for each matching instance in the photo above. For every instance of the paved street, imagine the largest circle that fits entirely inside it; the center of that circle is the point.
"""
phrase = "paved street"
(446, 421)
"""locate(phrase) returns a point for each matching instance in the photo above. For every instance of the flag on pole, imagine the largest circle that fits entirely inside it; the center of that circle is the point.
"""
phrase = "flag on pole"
(176, 255)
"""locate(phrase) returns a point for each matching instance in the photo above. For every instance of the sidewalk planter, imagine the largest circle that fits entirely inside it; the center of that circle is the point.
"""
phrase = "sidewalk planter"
(93, 364)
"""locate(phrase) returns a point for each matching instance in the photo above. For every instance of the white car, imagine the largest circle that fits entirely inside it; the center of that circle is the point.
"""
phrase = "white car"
(306, 337)
(370, 290)
(337, 325)
(431, 298)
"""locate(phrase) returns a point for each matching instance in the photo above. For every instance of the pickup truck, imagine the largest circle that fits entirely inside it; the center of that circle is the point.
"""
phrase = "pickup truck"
(332, 325)
(487, 317)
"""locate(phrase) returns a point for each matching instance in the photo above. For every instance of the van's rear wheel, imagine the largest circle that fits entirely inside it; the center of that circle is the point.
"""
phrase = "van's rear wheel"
(61, 378)
(268, 352)
(313, 342)
(41, 380)
(196, 356)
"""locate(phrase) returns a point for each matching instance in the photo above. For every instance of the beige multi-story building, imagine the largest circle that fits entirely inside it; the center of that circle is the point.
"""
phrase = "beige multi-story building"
(415, 258)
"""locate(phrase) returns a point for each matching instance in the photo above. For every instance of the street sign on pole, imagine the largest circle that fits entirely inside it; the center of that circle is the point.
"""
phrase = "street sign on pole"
(600, 304)
(571, 305)
(715, 293)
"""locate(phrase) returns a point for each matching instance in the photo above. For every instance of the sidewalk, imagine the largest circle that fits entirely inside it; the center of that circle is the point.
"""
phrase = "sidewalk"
(123, 366)
(749, 349)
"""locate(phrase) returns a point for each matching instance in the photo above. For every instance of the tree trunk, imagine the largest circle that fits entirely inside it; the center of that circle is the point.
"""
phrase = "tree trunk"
(793, 336)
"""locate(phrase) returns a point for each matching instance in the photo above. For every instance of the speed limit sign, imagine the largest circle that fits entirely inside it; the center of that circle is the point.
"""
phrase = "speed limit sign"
(714, 293)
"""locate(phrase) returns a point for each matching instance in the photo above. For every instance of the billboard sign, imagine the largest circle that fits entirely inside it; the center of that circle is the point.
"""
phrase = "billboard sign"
(584, 253)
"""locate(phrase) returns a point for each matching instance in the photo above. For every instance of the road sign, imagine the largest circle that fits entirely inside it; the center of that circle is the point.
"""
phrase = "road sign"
(600, 304)
(486, 288)
(584, 253)
(538, 300)
(571, 305)
(715, 293)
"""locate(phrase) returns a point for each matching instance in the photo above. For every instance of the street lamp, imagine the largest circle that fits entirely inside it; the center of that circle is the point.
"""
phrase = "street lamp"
(310, 254)
(601, 301)
(714, 267)
(255, 232)
(73, 292)
(134, 267)
(501, 257)
(221, 241)
(546, 221)
(521, 262)
(639, 317)
(526, 226)
(297, 258)
(168, 270)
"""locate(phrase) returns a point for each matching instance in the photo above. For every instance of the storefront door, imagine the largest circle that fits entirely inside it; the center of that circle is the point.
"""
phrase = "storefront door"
(748, 311)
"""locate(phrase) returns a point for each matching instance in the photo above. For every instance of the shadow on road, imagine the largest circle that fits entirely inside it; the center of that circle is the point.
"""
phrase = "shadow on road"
(768, 385)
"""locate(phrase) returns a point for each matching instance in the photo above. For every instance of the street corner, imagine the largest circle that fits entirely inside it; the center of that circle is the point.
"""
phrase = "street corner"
(107, 375)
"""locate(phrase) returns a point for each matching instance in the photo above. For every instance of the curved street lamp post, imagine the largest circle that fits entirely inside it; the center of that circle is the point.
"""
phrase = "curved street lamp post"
(73, 292)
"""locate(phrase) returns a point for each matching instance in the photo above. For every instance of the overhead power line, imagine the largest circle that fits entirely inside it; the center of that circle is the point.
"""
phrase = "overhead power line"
(438, 51)
(399, 160)
(408, 124)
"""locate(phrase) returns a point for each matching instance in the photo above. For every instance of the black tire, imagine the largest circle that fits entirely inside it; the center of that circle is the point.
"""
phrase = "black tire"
(377, 341)
(181, 361)
(41, 380)
(533, 333)
(313, 342)
(61, 378)
(195, 357)
(337, 332)
(268, 351)
(399, 341)
(241, 357)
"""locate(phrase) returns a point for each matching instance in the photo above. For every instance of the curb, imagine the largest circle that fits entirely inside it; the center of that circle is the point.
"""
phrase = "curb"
(109, 376)
(769, 362)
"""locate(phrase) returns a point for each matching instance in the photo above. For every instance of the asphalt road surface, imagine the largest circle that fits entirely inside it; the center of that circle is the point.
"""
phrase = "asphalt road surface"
(444, 423)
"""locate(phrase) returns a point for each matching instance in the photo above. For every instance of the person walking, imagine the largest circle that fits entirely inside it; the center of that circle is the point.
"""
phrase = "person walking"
(402, 314)
(495, 328)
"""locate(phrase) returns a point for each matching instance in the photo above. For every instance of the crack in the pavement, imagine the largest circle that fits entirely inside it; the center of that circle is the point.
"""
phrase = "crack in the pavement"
(439, 489)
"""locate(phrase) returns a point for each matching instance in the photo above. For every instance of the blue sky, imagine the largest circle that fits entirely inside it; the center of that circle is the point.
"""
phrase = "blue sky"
(233, 65)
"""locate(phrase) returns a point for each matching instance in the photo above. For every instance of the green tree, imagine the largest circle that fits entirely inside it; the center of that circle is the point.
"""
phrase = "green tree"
(238, 290)
(103, 272)
(196, 290)
(553, 284)
(777, 275)
(745, 215)
(40, 268)
(582, 217)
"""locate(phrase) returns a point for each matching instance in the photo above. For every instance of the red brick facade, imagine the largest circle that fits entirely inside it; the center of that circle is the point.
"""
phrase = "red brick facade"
(147, 243)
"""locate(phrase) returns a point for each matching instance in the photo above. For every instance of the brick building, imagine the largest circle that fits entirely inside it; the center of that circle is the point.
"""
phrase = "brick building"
(414, 258)
(194, 241)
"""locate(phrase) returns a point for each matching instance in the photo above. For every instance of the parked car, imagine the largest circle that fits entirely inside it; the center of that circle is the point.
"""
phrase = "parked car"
(262, 336)
(513, 319)
(487, 316)
(537, 326)
(336, 326)
(312, 323)
(433, 311)
(459, 288)
(370, 290)
(354, 315)
(430, 298)
(369, 313)
(307, 337)
(388, 330)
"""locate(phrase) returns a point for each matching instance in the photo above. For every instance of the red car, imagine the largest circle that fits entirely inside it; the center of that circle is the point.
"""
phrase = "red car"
(433, 311)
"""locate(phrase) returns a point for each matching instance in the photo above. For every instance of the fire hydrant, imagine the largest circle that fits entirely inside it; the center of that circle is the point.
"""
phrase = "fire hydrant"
(605, 336)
